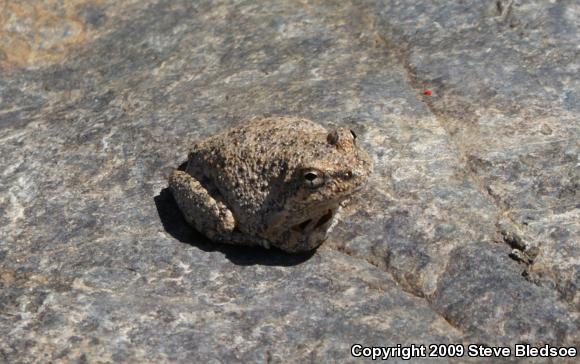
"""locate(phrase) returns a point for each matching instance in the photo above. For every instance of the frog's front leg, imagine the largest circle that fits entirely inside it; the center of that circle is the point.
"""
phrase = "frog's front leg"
(207, 214)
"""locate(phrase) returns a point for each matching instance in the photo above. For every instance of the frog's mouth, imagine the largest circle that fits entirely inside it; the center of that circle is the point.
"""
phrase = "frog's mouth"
(316, 222)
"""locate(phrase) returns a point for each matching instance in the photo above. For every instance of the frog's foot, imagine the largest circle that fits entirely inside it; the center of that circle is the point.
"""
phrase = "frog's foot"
(308, 233)
(320, 222)
(207, 213)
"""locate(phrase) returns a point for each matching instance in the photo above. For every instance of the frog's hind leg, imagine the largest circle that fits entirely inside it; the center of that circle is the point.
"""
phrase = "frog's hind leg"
(209, 215)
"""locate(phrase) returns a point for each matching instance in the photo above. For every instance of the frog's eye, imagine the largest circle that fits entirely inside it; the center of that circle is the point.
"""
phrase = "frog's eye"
(313, 178)
(353, 134)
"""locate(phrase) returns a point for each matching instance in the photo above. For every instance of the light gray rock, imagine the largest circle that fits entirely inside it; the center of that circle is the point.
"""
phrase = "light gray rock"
(467, 231)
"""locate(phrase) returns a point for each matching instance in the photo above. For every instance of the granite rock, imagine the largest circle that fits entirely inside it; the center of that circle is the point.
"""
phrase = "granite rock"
(467, 231)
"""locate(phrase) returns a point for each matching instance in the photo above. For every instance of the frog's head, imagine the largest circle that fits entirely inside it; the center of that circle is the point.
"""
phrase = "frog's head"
(330, 170)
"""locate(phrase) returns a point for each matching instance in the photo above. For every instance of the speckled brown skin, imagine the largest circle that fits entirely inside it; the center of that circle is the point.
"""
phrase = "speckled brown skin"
(270, 181)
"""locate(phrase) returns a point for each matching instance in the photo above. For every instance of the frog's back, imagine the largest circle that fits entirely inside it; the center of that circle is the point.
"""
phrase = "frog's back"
(249, 163)
(259, 134)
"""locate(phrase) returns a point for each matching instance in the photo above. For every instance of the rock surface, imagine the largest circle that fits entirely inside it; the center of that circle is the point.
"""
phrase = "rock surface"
(467, 232)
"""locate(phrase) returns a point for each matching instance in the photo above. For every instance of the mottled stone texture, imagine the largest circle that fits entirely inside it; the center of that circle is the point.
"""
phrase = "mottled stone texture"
(467, 232)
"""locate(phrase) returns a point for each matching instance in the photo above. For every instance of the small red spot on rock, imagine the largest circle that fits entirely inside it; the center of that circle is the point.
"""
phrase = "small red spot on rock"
(427, 92)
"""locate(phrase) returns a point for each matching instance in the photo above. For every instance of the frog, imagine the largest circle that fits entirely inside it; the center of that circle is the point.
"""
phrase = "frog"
(271, 181)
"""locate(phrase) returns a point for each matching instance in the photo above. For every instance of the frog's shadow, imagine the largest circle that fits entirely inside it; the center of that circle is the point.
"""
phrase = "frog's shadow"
(174, 224)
